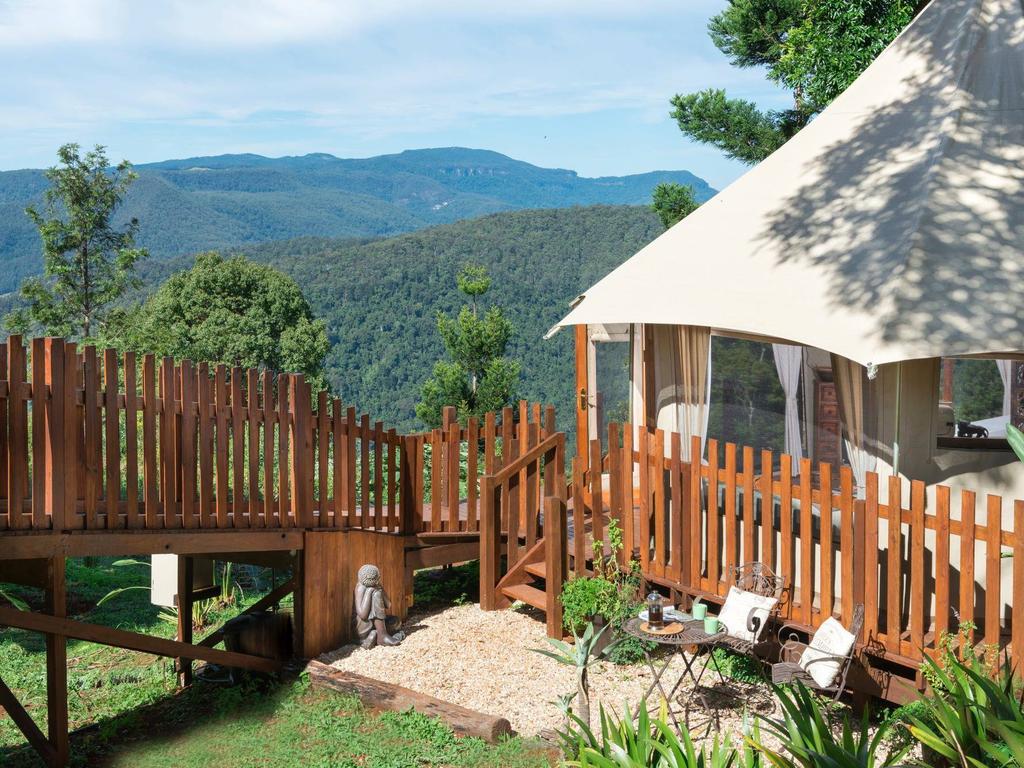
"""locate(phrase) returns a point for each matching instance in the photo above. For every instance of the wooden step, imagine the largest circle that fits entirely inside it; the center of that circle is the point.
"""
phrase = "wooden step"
(539, 570)
(524, 593)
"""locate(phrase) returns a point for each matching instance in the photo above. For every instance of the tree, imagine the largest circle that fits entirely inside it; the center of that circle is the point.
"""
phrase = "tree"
(478, 378)
(673, 202)
(232, 311)
(814, 48)
(88, 264)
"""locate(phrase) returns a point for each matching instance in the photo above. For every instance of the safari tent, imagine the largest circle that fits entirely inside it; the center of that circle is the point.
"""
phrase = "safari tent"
(865, 258)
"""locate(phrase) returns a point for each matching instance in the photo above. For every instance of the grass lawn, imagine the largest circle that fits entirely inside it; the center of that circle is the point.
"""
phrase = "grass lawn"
(130, 713)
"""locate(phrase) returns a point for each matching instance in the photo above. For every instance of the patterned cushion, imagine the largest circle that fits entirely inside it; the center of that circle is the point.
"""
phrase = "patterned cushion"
(831, 640)
(737, 610)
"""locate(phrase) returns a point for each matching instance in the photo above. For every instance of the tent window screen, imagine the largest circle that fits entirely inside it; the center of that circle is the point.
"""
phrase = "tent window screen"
(747, 399)
(610, 378)
(977, 399)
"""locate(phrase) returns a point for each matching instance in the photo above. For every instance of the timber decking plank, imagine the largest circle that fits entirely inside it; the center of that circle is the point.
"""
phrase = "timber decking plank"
(239, 502)
(188, 446)
(91, 453)
(131, 441)
(112, 438)
(807, 541)
(871, 559)
(826, 552)
(257, 511)
(39, 436)
(220, 396)
(849, 543)
(17, 439)
(150, 467)
(993, 563)
(967, 517)
(204, 396)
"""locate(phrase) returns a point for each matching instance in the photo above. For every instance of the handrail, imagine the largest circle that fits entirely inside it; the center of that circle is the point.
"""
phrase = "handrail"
(520, 462)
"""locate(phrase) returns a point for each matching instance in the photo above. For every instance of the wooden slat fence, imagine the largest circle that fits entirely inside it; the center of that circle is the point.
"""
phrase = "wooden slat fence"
(919, 559)
(455, 459)
(100, 440)
(513, 497)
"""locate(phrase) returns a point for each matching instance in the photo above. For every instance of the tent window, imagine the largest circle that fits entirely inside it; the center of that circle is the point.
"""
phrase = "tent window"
(747, 401)
(977, 399)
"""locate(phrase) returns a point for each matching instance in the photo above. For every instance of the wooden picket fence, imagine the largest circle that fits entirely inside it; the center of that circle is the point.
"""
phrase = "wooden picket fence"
(456, 458)
(911, 558)
(100, 440)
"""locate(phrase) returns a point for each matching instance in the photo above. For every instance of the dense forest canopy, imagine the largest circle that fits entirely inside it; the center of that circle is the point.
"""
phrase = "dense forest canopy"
(215, 203)
(380, 299)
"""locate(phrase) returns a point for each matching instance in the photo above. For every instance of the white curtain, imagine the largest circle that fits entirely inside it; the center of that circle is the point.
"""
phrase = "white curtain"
(682, 381)
(788, 362)
(1005, 373)
(636, 380)
(851, 388)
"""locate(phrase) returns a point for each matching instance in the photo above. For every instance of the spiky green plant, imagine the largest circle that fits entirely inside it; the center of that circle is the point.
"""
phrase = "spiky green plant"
(972, 720)
(808, 739)
(646, 742)
(578, 655)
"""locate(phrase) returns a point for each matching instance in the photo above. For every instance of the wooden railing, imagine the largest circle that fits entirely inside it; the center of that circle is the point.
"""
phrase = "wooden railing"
(690, 524)
(100, 440)
(454, 459)
(513, 500)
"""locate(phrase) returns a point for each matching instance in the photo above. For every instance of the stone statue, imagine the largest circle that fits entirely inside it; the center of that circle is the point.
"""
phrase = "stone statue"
(373, 624)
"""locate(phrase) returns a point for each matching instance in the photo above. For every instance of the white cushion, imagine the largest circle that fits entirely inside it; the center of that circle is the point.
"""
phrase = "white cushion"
(736, 611)
(831, 639)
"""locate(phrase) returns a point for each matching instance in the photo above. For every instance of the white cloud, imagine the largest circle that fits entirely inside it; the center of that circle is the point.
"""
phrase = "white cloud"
(160, 79)
(274, 22)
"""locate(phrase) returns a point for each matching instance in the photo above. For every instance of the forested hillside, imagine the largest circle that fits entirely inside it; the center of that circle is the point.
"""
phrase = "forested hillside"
(203, 203)
(380, 298)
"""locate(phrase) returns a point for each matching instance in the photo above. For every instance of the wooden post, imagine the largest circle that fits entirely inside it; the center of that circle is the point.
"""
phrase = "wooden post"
(55, 458)
(302, 464)
(299, 603)
(57, 664)
(556, 557)
(490, 543)
(185, 570)
(408, 506)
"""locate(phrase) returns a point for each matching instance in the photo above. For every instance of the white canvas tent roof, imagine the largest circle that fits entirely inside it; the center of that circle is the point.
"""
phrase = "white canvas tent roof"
(890, 228)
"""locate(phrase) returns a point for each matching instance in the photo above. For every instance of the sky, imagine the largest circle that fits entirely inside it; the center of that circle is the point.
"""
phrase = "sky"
(581, 84)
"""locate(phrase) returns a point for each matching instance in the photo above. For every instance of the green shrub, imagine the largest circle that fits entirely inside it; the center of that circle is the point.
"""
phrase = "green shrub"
(646, 743)
(613, 593)
(739, 666)
(973, 719)
(584, 597)
(808, 740)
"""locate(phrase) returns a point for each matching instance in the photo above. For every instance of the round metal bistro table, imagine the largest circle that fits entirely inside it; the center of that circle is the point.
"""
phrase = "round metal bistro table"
(688, 643)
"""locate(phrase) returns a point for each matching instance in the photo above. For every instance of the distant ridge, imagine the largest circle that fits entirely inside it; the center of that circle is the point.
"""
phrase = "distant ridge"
(225, 201)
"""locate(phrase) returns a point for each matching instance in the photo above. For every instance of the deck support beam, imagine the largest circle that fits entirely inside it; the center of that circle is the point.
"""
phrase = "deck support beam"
(186, 570)
(27, 725)
(57, 663)
(133, 641)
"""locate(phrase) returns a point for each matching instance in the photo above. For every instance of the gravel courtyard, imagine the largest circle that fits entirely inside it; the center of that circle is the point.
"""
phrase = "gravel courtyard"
(482, 660)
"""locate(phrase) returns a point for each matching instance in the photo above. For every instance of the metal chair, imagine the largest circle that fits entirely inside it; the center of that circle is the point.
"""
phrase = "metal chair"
(759, 579)
(788, 670)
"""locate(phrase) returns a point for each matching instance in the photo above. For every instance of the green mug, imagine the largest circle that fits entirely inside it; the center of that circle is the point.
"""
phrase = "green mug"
(699, 611)
(711, 625)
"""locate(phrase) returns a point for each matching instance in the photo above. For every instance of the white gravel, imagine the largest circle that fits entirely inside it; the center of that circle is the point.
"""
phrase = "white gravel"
(482, 660)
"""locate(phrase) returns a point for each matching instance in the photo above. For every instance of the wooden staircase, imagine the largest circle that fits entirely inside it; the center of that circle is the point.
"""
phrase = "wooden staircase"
(525, 583)
(531, 486)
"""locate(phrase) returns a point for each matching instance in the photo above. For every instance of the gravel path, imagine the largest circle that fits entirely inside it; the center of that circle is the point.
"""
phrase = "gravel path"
(482, 660)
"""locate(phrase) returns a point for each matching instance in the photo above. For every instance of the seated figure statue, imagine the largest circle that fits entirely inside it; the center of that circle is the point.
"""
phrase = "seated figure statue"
(374, 626)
